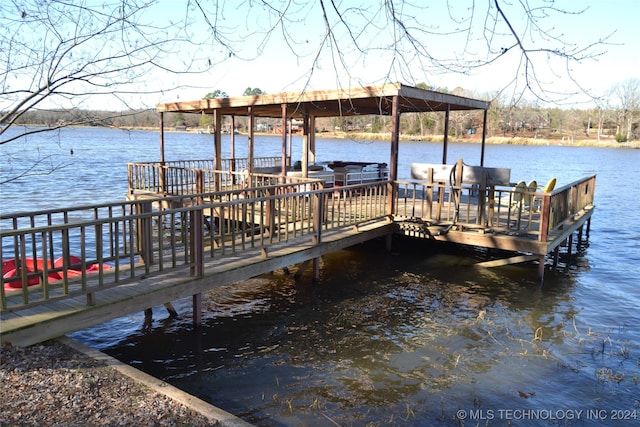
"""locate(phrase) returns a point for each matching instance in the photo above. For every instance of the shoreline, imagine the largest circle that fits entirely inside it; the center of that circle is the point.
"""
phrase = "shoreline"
(64, 382)
(605, 142)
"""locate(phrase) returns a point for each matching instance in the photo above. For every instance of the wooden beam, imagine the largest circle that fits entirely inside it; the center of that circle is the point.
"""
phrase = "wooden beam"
(506, 261)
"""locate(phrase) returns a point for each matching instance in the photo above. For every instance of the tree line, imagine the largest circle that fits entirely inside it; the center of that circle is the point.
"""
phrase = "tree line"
(617, 117)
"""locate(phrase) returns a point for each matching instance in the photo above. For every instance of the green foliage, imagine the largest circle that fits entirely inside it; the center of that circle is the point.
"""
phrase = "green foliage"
(253, 91)
(620, 137)
(178, 119)
(216, 94)
(206, 120)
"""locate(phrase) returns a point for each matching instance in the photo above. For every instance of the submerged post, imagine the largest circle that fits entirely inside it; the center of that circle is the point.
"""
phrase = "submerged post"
(197, 309)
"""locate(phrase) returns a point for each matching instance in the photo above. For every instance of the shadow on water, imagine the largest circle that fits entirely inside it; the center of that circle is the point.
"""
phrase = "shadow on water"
(403, 338)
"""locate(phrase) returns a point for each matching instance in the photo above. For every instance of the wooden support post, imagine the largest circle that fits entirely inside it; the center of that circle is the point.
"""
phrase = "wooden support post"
(161, 171)
(580, 231)
(312, 138)
(316, 270)
(217, 138)
(541, 269)
(233, 149)
(172, 311)
(305, 146)
(482, 198)
(145, 234)
(569, 251)
(250, 139)
(430, 194)
(457, 190)
(196, 235)
(393, 156)
(545, 214)
(197, 309)
(484, 136)
(284, 139)
(318, 216)
(301, 269)
(318, 223)
(445, 143)
(556, 257)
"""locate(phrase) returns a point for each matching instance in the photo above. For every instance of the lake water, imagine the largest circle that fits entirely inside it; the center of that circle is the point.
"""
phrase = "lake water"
(414, 337)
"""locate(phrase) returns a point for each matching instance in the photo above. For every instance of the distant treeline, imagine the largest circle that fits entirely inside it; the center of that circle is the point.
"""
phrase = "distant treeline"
(503, 121)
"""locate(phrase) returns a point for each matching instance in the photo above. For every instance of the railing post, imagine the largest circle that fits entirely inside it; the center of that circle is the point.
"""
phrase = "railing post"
(482, 199)
(130, 168)
(318, 217)
(145, 233)
(545, 213)
(196, 230)
(196, 241)
(161, 178)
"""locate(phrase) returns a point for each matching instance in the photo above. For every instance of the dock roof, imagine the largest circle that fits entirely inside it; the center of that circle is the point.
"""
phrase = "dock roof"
(331, 103)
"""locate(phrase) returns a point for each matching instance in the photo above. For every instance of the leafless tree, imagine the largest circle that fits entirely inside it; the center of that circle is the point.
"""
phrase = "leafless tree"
(67, 54)
(404, 38)
(82, 55)
(628, 100)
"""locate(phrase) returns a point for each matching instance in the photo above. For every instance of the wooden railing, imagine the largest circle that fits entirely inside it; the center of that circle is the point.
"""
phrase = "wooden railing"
(236, 164)
(179, 177)
(57, 254)
(499, 209)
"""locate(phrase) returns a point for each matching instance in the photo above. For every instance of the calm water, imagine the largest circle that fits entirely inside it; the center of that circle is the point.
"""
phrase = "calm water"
(413, 337)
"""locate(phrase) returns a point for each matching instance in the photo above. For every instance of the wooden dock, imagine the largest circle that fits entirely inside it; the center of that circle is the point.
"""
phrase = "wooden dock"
(189, 226)
(152, 251)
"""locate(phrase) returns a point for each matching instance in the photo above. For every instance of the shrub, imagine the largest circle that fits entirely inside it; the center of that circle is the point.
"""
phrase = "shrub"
(620, 137)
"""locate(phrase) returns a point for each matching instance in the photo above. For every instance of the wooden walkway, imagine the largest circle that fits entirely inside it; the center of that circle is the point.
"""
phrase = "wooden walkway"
(152, 251)
(37, 323)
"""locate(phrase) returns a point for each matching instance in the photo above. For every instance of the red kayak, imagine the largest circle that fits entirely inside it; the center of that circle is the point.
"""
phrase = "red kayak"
(11, 269)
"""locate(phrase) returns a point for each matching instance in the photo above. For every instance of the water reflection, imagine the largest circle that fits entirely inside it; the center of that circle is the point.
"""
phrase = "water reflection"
(404, 339)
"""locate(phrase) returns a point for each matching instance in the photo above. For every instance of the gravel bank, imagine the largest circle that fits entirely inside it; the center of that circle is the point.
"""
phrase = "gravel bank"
(63, 383)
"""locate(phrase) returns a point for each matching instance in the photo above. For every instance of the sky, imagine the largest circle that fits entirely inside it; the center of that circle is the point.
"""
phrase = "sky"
(235, 44)
(275, 69)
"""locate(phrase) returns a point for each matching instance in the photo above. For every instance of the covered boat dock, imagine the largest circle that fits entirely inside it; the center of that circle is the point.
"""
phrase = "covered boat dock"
(190, 226)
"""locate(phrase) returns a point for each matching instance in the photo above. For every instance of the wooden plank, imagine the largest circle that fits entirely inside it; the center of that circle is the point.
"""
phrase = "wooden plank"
(506, 261)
